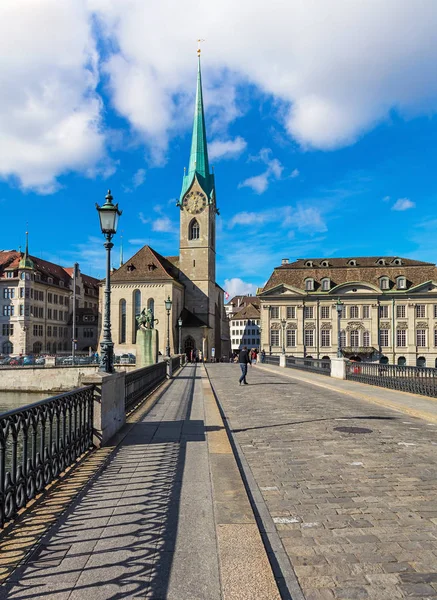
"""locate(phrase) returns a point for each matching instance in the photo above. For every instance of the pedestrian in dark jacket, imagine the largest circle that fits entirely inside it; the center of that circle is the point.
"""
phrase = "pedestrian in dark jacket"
(244, 360)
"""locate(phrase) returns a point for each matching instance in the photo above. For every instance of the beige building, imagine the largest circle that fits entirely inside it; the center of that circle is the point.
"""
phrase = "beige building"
(148, 278)
(389, 309)
(36, 304)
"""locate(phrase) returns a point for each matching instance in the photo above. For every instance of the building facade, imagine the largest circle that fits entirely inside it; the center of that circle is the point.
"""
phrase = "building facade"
(389, 311)
(239, 302)
(36, 305)
(245, 328)
(148, 279)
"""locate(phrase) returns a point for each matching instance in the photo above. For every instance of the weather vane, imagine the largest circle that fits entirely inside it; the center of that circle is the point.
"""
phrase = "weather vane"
(198, 47)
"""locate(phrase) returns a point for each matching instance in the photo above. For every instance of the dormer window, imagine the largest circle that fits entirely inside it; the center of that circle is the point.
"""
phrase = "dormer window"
(309, 263)
(61, 284)
(37, 276)
(352, 262)
(401, 283)
(151, 266)
(309, 285)
(397, 261)
(384, 283)
(326, 284)
(324, 263)
(130, 267)
(380, 261)
(49, 279)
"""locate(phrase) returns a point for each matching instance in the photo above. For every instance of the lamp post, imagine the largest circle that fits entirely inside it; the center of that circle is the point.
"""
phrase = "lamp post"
(339, 308)
(168, 304)
(109, 215)
(180, 335)
(283, 324)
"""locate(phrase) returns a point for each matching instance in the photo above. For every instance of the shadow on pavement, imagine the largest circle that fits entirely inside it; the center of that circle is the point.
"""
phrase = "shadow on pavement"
(315, 421)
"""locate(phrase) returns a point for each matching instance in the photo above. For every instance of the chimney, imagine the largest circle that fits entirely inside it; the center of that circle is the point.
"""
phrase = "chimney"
(285, 261)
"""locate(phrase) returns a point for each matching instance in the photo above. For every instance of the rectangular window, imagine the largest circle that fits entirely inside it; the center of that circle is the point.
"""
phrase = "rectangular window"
(21, 292)
(309, 337)
(421, 311)
(49, 330)
(274, 337)
(41, 312)
(291, 337)
(324, 312)
(383, 311)
(55, 298)
(421, 338)
(291, 312)
(8, 329)
(40, 331)
(309, 285)
(55, 315)
(435, 337)
(26, 293)
(35, 330)
(325, 338)
(366, 311)
(21, 310)
(435, 311)
(49, 313)
(401, 311)
(383, 337)
(49, 297)
(354, 312)
(355, 338)
(55, 331)
(26, 311)
(401, 338)
(8, 293)
(8, 310)
(31, 293)
(366, 339)
(274, 312)
(9, 274)
(308, 313)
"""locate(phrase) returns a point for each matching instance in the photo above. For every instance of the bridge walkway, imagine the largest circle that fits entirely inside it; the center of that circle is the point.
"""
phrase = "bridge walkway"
(167, 518)
(343, 477)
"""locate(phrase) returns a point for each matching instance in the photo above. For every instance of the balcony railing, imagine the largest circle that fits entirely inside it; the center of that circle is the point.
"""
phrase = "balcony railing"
(38, 442)
(416, 380)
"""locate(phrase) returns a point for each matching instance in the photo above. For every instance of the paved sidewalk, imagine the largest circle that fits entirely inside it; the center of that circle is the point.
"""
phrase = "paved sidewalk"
(168, 517)
(349, 483)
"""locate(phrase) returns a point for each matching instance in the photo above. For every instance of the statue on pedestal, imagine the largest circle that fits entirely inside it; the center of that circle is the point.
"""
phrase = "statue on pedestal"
(147, 339)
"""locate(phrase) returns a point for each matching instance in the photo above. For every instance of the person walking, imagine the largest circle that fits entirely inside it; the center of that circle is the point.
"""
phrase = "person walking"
(263, 355)
(244, 360)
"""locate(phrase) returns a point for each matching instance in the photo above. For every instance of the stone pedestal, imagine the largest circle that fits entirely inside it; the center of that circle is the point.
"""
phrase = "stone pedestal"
(282, 360)
(147, 347)
(338, 368)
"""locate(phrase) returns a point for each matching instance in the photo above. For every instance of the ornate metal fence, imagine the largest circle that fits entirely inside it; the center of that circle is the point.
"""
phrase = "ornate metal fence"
(417, 380)
(316, 365)
(271, 360)
(38, 442)
(140, 382)
(175, 363)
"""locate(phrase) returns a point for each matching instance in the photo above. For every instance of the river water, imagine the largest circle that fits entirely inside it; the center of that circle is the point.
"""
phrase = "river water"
(11, 400)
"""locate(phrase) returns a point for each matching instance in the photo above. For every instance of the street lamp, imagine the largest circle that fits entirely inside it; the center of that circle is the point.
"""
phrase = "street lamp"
(180, 335)
(109, 215)
(168, 304)
(339, 308)
(283, 324)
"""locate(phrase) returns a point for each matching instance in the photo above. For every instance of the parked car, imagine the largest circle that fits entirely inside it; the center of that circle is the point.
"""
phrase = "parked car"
(28, 360)
(40, 360)
(124, 359)
(5, 360)
(16, 361)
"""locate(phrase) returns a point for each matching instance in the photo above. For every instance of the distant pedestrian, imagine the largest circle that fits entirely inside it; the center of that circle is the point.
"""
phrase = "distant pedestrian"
(263, 355)
(193, 355)
(253, 356)
(244, 360)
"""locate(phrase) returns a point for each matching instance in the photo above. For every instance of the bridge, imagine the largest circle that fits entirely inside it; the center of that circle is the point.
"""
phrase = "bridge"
(296, 486)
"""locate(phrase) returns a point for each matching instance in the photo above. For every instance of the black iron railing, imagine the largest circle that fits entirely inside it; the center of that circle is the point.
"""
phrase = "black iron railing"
(271, 360)
(417, 380)
(316, 365)
(140, 382)
(38, 442)
(175, 363)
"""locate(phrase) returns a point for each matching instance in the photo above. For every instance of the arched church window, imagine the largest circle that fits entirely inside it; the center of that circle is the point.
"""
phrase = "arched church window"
(194, 230)
(151, 305)
(136, 303)
(122, 321)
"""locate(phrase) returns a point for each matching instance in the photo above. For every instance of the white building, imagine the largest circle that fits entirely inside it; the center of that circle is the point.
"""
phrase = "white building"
(245, 328)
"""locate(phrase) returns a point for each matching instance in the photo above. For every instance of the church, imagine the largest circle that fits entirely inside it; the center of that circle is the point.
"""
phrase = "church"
(148, 279)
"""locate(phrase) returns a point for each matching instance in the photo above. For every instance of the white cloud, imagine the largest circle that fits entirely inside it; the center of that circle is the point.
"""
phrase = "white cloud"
(164, 225)
(259, 183)
(295, 173)
(250, 218)
(219, 149)
(403, 204)
(139, 178)
(386, 199)
(50, 113)
(306, 218)
(238, 287)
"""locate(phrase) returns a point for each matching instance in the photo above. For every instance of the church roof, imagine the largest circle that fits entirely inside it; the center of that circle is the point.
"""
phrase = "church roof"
(146, 265)
(199, 163)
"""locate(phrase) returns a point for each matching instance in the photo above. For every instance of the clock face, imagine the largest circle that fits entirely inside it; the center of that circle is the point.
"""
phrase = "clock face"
(195, 202)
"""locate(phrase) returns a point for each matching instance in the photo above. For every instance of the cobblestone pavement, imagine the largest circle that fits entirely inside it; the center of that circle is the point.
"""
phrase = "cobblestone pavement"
(351, 486)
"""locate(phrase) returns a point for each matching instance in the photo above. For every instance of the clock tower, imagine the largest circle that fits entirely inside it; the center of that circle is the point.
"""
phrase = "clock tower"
(197, 204)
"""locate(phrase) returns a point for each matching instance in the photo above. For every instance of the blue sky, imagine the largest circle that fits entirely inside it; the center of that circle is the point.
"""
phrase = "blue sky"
(322, 128)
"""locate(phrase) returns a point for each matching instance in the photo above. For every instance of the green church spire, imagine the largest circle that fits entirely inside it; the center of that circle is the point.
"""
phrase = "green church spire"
(26, 262)
(199, 164)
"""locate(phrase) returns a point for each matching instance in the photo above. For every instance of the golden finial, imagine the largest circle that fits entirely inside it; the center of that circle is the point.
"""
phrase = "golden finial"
(198, 47)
